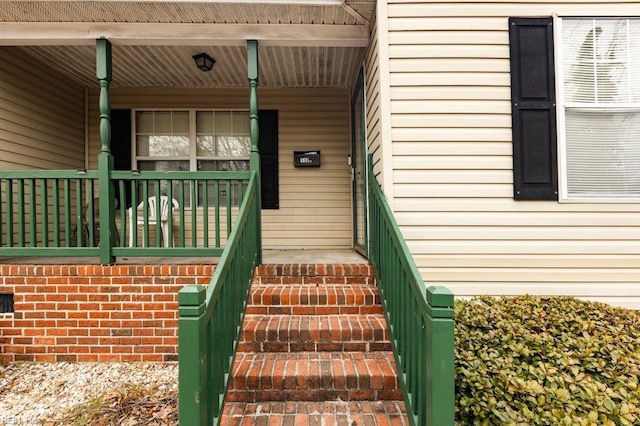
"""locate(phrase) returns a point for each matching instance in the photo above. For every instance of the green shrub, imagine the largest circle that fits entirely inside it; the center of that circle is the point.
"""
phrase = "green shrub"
(546, 361)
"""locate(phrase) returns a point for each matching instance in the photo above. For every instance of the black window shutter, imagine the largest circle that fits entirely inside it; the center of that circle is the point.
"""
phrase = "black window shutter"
(268, 147)
(533, 109)
(121, 149)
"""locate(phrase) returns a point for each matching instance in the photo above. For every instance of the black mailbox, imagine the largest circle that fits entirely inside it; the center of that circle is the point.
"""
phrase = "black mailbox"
(306, 158)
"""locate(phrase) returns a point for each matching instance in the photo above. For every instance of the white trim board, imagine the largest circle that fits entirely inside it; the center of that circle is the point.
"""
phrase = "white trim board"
(150, 34)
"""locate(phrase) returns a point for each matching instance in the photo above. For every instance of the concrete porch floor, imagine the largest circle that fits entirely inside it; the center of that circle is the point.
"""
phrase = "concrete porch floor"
(269, 256)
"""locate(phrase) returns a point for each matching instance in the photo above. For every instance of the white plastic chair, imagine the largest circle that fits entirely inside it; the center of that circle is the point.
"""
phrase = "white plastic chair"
(151, 219)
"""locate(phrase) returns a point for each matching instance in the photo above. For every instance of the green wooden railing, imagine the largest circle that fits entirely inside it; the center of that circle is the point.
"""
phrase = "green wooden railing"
(420, 319)
(42, 212)
(56, 212)
(210, 319)
(206, 204)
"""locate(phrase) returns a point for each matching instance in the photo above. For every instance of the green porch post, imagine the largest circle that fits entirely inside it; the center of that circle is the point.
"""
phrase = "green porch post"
(193, 390)
(440, 358)
(254, 163)
(105, 159)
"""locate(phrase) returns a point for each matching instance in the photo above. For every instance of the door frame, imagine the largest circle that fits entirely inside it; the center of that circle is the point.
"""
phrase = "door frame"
(359, 92)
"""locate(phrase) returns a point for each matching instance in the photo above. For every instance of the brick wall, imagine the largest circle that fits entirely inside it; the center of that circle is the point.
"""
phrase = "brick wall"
(94, 313)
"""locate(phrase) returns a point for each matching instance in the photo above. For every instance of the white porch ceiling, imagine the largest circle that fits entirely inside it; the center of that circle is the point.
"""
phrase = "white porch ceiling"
(301, 45)
(173, 66)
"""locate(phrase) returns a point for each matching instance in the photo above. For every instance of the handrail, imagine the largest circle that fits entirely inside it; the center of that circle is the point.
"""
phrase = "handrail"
(210, 319)
(420, 319)
(56, 212)
(42, 212)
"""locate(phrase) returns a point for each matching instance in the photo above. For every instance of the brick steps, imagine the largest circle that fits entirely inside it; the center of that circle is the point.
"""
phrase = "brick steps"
(321, 333)
(329, 299)
(314, 349)
(328, 413)
(312, 376)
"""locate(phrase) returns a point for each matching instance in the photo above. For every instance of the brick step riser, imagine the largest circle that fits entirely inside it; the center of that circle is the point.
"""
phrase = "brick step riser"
(335, 333)
(338, 413)
(317, 395)
(314, 280)
(312, 310)
(329, 295)
(314, 377)
(314, 346)
(315, 270)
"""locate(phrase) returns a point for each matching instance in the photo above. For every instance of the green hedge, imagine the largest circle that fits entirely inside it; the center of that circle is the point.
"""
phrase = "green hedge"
(546, 361)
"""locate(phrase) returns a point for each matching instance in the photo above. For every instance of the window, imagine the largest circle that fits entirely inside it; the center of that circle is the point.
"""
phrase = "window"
(597, 68)
(193, 140)
(183, 140)
(600, 89)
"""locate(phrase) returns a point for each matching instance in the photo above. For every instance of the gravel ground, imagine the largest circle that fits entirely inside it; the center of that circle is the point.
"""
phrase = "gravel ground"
(43, 393)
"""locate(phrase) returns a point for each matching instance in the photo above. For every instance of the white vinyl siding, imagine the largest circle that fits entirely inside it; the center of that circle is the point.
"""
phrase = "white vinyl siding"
(41, 116)
(315, 206)
(452, 164)
(372, 99)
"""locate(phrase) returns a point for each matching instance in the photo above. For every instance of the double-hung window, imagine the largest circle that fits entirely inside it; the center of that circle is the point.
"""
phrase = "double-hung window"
(599, 88)
(575, 92)
(190, 140)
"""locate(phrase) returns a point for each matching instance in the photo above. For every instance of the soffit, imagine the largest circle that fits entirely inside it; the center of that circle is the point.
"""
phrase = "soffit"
(185, 12)
(173, 66)
(146, 64)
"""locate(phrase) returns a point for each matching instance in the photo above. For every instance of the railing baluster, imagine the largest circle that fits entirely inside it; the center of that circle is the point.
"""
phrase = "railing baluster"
(21, 224)
(145, 213)
(122, 204)
(158, 213)
(182, 210)
(194, 217)
(9, 192)
(133, 232)
(44, 202)
(205, 212)
(217, 208)
(90, 216)
(67, 215)
(55, 187)
(33, 242)
(169, 242)
(228, 208)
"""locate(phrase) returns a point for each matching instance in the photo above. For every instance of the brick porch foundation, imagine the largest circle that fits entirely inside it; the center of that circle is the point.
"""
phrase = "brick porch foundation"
(94, 313)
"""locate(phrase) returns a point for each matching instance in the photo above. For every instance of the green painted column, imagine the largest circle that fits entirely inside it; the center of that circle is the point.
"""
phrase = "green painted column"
(105, 159)
(254, 159)
(440, 358)
(193, 384)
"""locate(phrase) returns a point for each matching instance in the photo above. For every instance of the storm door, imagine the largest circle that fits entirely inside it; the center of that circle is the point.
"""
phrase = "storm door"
(358, 167)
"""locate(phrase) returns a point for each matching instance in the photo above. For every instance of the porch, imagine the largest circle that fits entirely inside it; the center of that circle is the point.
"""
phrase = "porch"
(271, 256)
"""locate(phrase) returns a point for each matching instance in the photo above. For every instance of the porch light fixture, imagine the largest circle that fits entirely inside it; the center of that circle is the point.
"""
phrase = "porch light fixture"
(204, 61)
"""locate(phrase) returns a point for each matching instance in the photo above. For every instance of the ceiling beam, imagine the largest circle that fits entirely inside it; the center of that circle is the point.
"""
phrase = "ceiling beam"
(150, 34)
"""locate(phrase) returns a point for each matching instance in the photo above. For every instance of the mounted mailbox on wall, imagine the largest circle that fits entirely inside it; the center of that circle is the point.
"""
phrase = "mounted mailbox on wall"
(306, 158)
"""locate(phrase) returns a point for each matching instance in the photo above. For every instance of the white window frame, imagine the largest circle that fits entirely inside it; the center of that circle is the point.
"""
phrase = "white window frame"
(193, 157)
(561, 105)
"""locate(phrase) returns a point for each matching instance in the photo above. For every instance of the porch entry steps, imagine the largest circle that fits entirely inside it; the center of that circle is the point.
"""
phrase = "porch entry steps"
(314, 350)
